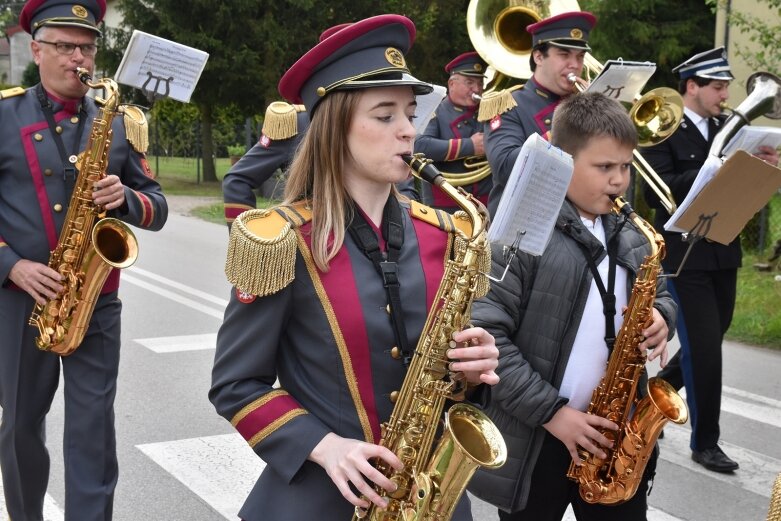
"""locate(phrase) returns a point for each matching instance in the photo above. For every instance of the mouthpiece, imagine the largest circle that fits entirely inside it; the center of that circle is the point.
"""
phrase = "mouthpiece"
(476, 97)
(423, 168)
(83, 74)
(571, 77)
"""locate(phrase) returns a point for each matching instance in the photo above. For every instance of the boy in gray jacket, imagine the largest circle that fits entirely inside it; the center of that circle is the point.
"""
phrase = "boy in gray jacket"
(553, 321)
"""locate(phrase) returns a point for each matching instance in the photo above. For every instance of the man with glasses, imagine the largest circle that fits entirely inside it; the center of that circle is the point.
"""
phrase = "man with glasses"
(44, 128)
(454, 134)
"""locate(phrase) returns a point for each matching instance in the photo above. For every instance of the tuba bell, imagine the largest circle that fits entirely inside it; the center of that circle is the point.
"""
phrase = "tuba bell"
(764, 99)
(497, 30)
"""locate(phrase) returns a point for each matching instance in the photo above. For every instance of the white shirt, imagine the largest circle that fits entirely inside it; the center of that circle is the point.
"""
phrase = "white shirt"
(700, 122)
(588, 360)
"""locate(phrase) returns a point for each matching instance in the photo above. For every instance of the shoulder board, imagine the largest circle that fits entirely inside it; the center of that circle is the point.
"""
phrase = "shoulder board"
(497, 103)
(441, 219)
(262, 248)
(281, 120)
(136, 127)
(10, 93)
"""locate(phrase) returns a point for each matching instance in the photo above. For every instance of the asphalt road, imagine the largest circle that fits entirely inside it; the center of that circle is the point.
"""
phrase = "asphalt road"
(180, 461)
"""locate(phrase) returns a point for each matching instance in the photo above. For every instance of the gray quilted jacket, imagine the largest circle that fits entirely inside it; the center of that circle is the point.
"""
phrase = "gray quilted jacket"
(534, 315)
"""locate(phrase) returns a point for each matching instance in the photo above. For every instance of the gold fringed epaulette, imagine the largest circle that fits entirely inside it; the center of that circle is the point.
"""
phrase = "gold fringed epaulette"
(262, 248)
(496, 103)
(281, 120)
(441, 219)
(136, 127)
(10, 93)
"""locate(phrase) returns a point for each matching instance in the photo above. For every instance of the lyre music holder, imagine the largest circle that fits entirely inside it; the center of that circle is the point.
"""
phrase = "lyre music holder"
(697, 233)
(152, 94)
(509, 255)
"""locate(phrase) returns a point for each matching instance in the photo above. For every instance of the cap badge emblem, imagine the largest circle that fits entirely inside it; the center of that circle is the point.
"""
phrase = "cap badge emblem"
(79, 11)
(576, 33)
(395, 57)
(478, 67)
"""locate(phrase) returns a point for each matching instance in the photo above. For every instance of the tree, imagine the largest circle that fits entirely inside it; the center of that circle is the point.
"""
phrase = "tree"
(665, 32)
(764, 35)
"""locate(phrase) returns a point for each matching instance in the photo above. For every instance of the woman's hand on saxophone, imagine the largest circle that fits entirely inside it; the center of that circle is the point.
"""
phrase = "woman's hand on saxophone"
(478, 357)
(655, 342)
(109, 192)
(348, 461)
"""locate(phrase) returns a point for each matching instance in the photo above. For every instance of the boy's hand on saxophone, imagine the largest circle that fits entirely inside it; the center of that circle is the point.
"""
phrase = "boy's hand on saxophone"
(477, 358)
(655, 342)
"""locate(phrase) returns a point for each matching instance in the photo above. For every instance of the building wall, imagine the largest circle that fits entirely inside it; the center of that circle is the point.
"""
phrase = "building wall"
(20, 56)
(729, 37)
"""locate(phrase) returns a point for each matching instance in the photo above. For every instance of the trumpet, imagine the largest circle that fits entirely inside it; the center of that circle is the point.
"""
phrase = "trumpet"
(655, 115)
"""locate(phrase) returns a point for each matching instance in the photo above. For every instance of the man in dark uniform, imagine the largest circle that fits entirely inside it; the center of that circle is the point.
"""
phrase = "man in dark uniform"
(559, 46)
(283, 127)
(454, 134)
(44, 127)
(705, 289)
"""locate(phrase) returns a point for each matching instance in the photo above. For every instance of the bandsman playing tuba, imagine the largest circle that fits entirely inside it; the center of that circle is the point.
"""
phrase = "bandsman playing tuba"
(310, 308)
(44, 128)
(555, 319)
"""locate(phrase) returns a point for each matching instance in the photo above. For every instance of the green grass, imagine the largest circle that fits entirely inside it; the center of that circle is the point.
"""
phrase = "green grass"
(215, 212)
(757, 318)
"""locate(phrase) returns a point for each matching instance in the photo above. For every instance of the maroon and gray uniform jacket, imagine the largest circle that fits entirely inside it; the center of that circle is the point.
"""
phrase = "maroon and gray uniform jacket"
(33, 196)
(446, 141)
(506, 133)
(257, 166)
(316, 357)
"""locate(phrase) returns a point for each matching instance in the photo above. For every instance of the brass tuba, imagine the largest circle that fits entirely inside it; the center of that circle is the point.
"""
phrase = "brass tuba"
(90, 244)
(616, 478)
(432, 481)
(655, 116)
(764, 99)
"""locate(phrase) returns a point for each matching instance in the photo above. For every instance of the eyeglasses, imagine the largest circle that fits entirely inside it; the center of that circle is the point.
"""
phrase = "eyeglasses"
(87, 49)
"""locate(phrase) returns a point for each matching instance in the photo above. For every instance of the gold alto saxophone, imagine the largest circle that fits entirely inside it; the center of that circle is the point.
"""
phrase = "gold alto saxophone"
(90, 244)
(431, 482)
(616, 478)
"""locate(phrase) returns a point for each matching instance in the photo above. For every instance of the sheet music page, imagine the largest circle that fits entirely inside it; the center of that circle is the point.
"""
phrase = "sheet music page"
(533, 196)
(622, 80)
(427, 104)
(167, 68)
(751, 138)
(704, 176)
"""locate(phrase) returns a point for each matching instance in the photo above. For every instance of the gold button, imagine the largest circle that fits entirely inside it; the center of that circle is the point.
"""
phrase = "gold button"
(38, 137)
(58, 129)
(396, 353)
(321, 91)
(394, 396)
(547, 121)
(48, 171)
(58, 207)
(75, 119)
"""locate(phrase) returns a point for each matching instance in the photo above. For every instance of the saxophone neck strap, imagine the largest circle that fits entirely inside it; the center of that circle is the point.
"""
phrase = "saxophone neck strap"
(68, 161)
(608, 294)
(386, 263)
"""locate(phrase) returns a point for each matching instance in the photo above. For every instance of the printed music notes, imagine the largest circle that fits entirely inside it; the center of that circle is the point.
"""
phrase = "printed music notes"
(533, 196)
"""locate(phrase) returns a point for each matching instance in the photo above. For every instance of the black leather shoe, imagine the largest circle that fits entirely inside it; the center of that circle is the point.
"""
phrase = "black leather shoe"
(714, 459)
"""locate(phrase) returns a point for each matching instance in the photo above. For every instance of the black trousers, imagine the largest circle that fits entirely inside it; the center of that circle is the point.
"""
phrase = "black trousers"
(552, 491)
(706, 301)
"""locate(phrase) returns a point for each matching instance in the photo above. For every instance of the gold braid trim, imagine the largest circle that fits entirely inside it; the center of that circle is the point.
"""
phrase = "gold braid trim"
(774, 513)
(136, 127)
(261, 253)
(273, 426)
(281, 120)
(496, 103)
(10, 93)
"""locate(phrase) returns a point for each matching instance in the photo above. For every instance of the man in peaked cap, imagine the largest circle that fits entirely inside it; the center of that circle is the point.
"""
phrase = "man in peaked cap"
(44, 128)
(705, 289)
(453, 134)
(559, 45)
